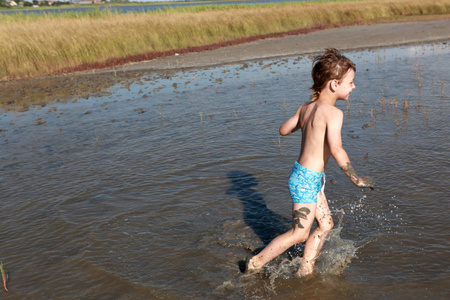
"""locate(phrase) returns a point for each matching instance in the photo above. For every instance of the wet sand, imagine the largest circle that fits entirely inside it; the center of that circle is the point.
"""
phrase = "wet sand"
(20, 94)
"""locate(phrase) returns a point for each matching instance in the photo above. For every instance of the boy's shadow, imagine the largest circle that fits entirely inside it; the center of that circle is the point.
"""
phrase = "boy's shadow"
(265, 223)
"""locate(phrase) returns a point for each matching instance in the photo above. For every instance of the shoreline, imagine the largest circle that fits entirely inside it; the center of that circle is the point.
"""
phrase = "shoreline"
(390, 33)
(349, 38)
(20, 94)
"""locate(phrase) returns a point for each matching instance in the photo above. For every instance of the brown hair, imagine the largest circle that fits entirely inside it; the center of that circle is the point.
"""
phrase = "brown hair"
(331, 65)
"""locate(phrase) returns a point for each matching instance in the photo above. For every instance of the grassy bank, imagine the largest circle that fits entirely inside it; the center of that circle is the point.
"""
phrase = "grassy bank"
(33, 46)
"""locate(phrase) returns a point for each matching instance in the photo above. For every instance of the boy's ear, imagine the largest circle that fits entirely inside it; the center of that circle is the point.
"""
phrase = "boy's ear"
(333, 85)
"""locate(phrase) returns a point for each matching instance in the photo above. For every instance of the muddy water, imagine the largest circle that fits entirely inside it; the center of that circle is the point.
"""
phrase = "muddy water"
(159, 187)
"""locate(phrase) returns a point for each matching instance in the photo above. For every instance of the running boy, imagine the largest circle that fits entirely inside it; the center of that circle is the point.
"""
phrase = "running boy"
(320, 123)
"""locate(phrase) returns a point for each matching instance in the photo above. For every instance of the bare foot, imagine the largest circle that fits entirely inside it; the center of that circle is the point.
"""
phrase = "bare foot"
(306, 268)
(250, 266)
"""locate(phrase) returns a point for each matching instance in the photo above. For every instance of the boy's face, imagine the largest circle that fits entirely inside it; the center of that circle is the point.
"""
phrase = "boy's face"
(346, 85)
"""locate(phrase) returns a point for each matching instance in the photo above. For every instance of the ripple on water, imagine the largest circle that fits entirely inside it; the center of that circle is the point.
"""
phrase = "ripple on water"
(144, 197)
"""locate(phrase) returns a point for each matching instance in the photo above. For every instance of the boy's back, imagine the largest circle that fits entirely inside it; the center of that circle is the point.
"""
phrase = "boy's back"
(316, 119)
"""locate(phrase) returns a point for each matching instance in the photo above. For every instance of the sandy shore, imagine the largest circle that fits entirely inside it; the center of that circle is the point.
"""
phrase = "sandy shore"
(346, 38)
(17, 95)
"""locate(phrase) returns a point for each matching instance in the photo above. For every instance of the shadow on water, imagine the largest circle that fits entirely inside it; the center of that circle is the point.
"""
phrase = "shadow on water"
(264, 222)
(267, 225)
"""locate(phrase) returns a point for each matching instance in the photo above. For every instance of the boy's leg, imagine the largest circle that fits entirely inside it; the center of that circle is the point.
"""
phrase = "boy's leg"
(303, 217)
(315, 241)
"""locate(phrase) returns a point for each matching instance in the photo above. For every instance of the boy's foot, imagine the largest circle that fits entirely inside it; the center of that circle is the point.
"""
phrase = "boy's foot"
(306, 268)
(250, 267)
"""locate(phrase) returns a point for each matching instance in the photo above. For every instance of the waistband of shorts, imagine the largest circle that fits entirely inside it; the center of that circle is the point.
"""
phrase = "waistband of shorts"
(314, 173)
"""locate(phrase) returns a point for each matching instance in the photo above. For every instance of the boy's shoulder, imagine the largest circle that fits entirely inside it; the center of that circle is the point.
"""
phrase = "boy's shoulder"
(329, 109)
(331, 115)
(326, 109)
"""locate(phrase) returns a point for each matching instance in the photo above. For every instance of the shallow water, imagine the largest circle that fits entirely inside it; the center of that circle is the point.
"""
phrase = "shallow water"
(142, 7)
(160, 187)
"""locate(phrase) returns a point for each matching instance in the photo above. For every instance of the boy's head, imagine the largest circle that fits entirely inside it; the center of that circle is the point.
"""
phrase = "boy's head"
(329, 66)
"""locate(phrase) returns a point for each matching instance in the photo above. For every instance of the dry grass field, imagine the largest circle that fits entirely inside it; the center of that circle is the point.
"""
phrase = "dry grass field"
(33, 46)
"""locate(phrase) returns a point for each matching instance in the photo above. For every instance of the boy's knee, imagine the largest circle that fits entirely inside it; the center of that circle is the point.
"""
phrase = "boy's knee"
(300, 238)
(327, 225)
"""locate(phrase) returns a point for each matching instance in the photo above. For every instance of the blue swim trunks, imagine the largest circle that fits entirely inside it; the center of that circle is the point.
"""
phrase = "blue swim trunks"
(304, 184)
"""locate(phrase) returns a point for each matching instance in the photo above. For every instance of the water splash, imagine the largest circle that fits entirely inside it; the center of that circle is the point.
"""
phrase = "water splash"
(334, 258)
(336, 254)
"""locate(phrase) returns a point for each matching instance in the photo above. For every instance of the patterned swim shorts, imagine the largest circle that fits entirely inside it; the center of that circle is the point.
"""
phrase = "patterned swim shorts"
(304, 184)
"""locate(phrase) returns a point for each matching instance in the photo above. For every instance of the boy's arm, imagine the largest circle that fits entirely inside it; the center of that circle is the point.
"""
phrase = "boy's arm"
(292, 124)
(334, 139)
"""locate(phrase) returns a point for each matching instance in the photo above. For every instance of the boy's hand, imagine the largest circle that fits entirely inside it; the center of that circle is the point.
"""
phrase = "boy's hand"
(363, 182)
(366, 182)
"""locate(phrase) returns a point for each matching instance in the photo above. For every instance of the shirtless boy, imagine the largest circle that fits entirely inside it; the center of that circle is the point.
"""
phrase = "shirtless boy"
(320, 123)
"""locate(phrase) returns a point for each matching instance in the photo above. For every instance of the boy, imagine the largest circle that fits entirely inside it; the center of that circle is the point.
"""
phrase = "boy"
(320, 123)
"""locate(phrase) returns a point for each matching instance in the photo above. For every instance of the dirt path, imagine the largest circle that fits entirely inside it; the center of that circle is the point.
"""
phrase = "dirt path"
(346, 38)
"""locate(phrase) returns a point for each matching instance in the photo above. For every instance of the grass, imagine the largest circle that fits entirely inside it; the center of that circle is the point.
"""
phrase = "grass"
(4, 277)
(39, 45)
